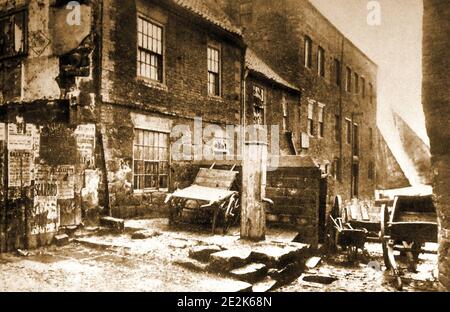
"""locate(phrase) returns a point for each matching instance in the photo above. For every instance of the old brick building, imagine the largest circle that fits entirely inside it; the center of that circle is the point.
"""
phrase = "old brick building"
(90, 126)
(335, 121)
(436, 101)
(87, 123)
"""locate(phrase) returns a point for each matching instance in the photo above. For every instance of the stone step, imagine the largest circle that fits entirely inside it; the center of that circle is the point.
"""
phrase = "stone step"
(227, 260)
(203, 253)
(276, 255)
(193, 265)
(251, 273)
(288, 273)
(265, 285)
(114, 224)
(61, 240)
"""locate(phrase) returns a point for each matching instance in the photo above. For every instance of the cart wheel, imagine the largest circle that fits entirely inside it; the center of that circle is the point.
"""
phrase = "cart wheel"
(399, 283)
(384, 235)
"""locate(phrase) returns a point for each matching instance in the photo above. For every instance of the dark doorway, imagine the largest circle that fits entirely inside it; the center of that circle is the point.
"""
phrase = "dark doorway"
(355, 180)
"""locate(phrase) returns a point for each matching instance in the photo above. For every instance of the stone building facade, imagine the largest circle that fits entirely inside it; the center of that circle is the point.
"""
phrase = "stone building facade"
(92, 127)
(436, 101)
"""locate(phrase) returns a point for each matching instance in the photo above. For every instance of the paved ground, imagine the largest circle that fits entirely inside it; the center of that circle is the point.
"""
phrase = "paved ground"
(119, 263)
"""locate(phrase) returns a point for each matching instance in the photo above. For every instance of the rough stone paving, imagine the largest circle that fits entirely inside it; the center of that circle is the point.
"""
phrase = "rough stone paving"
(152, 264)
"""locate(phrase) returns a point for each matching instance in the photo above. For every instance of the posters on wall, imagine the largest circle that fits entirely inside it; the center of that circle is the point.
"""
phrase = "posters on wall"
(66, 182)
(20, 168)
(45, 218)
(85, 140)
(2, 132)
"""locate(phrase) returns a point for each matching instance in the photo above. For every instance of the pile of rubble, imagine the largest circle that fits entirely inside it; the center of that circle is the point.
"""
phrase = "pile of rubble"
(260, 267)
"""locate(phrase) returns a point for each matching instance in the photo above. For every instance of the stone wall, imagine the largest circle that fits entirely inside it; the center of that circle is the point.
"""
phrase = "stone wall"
(276, 32)
(295, 189)
(436, 101)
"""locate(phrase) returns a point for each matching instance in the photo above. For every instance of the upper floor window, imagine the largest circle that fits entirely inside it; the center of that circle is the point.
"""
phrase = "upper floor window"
(245, 11)
(258, 104)
(348, 80)
(321, 62)
(337, 71)
(348, 124)
(150, 50)
(311, 119)
(355, 140)
(213, 71)
(337, 128)
(13, 34)
(321, 110)
(356, 83)
(371, 95)
(371, 170)
(363, 87)
(308, 52)
(285, 114)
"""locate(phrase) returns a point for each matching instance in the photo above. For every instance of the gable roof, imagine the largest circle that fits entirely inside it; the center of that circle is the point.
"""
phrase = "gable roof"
(257, 65)
(210, 11)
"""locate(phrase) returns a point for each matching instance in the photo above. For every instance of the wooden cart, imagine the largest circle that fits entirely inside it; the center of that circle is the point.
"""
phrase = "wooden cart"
(411, 223)
(349, 238)
(210, 191)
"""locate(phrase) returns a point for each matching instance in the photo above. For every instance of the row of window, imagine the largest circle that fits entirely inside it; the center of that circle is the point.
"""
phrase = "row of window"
(150, 60)
(353, 83)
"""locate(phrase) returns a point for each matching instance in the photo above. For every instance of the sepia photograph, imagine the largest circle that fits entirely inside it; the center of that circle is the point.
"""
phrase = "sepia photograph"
(225, 146)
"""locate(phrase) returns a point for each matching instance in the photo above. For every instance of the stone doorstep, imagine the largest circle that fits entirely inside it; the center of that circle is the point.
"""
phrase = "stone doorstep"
(61, 240)
(250, 273)
(227, 260)
(203, 253)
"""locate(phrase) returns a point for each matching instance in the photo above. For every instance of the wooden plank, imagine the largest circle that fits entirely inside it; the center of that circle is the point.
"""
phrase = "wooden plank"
(215, 178)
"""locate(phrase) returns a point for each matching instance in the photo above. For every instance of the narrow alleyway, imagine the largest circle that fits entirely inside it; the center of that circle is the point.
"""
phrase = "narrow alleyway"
(119, 263)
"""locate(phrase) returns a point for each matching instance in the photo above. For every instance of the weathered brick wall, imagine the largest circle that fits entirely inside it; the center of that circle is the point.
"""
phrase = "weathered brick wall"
(295, 192)
(49, 161)
(436, 101)
(274, 97)
(184, 90)
(276, 33)
(177, 101)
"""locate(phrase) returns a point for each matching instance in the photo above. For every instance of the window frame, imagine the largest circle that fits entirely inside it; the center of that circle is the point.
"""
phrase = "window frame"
(310, 120)
(321, 59)
(308, 52)
(348, 79)
(338, 72)
(162, 57)
(321, 120)
(363, 85)
(218, 88)
(337, 128)
(158, 147)
(25, 34)
(349, 129)
(356, 78)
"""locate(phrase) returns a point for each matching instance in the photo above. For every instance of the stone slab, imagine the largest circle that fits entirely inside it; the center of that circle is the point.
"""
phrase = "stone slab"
(227, 260)
(203, 253)
(250, 273)
(117, 225)
(279, 255)
(265, 285)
